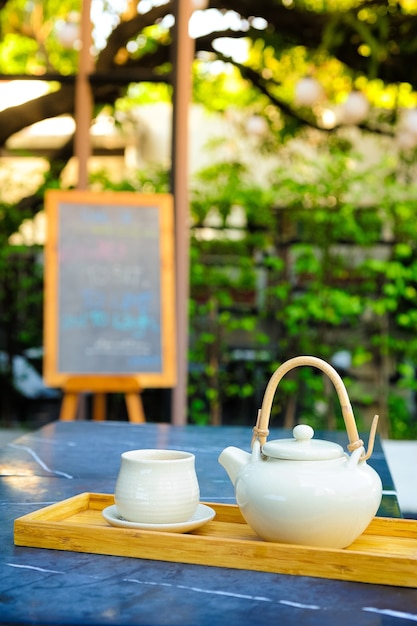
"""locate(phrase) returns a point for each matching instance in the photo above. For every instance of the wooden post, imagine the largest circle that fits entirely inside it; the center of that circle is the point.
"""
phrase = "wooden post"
(84, 98)
(182, 84)
(83, 115)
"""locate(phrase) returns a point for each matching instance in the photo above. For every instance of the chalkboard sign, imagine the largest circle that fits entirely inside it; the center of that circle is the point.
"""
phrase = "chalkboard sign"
(109, 287)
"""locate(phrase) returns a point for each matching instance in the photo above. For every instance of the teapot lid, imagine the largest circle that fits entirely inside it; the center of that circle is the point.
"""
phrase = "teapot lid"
(303, 447)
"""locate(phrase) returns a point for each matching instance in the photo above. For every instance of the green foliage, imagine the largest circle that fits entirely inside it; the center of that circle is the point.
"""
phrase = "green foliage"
(21, 287)
(297, 267)
(21, 284)
(143, 93)
(334, 281)
(155, 179)
(216, 89)
(30, 42)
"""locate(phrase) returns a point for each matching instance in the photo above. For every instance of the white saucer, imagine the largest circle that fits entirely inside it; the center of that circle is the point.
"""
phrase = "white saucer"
(202, 515)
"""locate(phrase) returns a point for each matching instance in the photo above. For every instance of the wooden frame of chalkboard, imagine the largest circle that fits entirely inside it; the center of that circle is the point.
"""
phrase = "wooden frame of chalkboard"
(109, 306)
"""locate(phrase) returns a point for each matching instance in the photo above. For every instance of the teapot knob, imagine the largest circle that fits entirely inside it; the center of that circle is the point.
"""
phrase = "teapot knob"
(303, 432)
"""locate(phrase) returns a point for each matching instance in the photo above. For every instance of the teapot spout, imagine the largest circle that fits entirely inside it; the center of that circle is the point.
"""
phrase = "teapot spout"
(233, 459)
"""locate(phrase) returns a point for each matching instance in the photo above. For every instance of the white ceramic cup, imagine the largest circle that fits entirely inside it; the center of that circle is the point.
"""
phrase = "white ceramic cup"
(157, 486)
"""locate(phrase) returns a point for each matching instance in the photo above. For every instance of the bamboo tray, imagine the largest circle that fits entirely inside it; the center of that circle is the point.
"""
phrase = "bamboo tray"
(386, 553)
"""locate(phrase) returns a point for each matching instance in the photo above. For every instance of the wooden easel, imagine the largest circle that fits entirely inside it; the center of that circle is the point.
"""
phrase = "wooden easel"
(100, 386)
(85, 317)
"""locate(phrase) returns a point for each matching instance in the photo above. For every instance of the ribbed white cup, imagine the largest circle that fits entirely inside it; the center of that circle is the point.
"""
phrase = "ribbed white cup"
(157, 486)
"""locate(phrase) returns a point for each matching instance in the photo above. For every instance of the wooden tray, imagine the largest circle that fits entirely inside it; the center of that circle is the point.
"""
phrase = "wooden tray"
(386, 553)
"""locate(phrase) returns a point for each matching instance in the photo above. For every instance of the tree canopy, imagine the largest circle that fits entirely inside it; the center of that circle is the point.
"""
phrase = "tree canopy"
(368, 45)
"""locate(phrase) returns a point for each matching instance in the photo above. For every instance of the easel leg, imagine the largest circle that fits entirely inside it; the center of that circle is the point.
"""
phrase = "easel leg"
(69, 407)
(134, 406)
(99, 407)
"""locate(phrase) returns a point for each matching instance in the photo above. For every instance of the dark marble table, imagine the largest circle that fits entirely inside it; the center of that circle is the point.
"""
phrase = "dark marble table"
(40, 586)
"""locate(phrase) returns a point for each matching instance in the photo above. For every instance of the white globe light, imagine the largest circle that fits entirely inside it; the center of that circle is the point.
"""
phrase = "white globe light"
(328, 118)
(410, 121)
(308, 91)
(200, 5)
(355, 108)
(406, 140)
(68, 34)
(256, 125)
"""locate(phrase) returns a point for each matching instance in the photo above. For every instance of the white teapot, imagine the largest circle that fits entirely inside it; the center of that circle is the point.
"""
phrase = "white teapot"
(303, 490)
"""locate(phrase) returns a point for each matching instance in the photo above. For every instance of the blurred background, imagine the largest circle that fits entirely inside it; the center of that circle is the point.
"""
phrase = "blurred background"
(302, 217)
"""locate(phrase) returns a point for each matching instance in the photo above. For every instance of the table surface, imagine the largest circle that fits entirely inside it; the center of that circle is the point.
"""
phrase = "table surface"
(39, 586)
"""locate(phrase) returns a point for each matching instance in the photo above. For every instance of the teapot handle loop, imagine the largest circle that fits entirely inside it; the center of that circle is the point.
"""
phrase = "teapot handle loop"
(261, 431)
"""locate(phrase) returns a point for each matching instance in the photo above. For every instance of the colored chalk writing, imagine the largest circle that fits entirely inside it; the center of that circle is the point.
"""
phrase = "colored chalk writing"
(109, 296)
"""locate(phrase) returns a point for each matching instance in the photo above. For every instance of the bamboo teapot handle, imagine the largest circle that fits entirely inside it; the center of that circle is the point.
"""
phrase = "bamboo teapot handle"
(261, 431)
